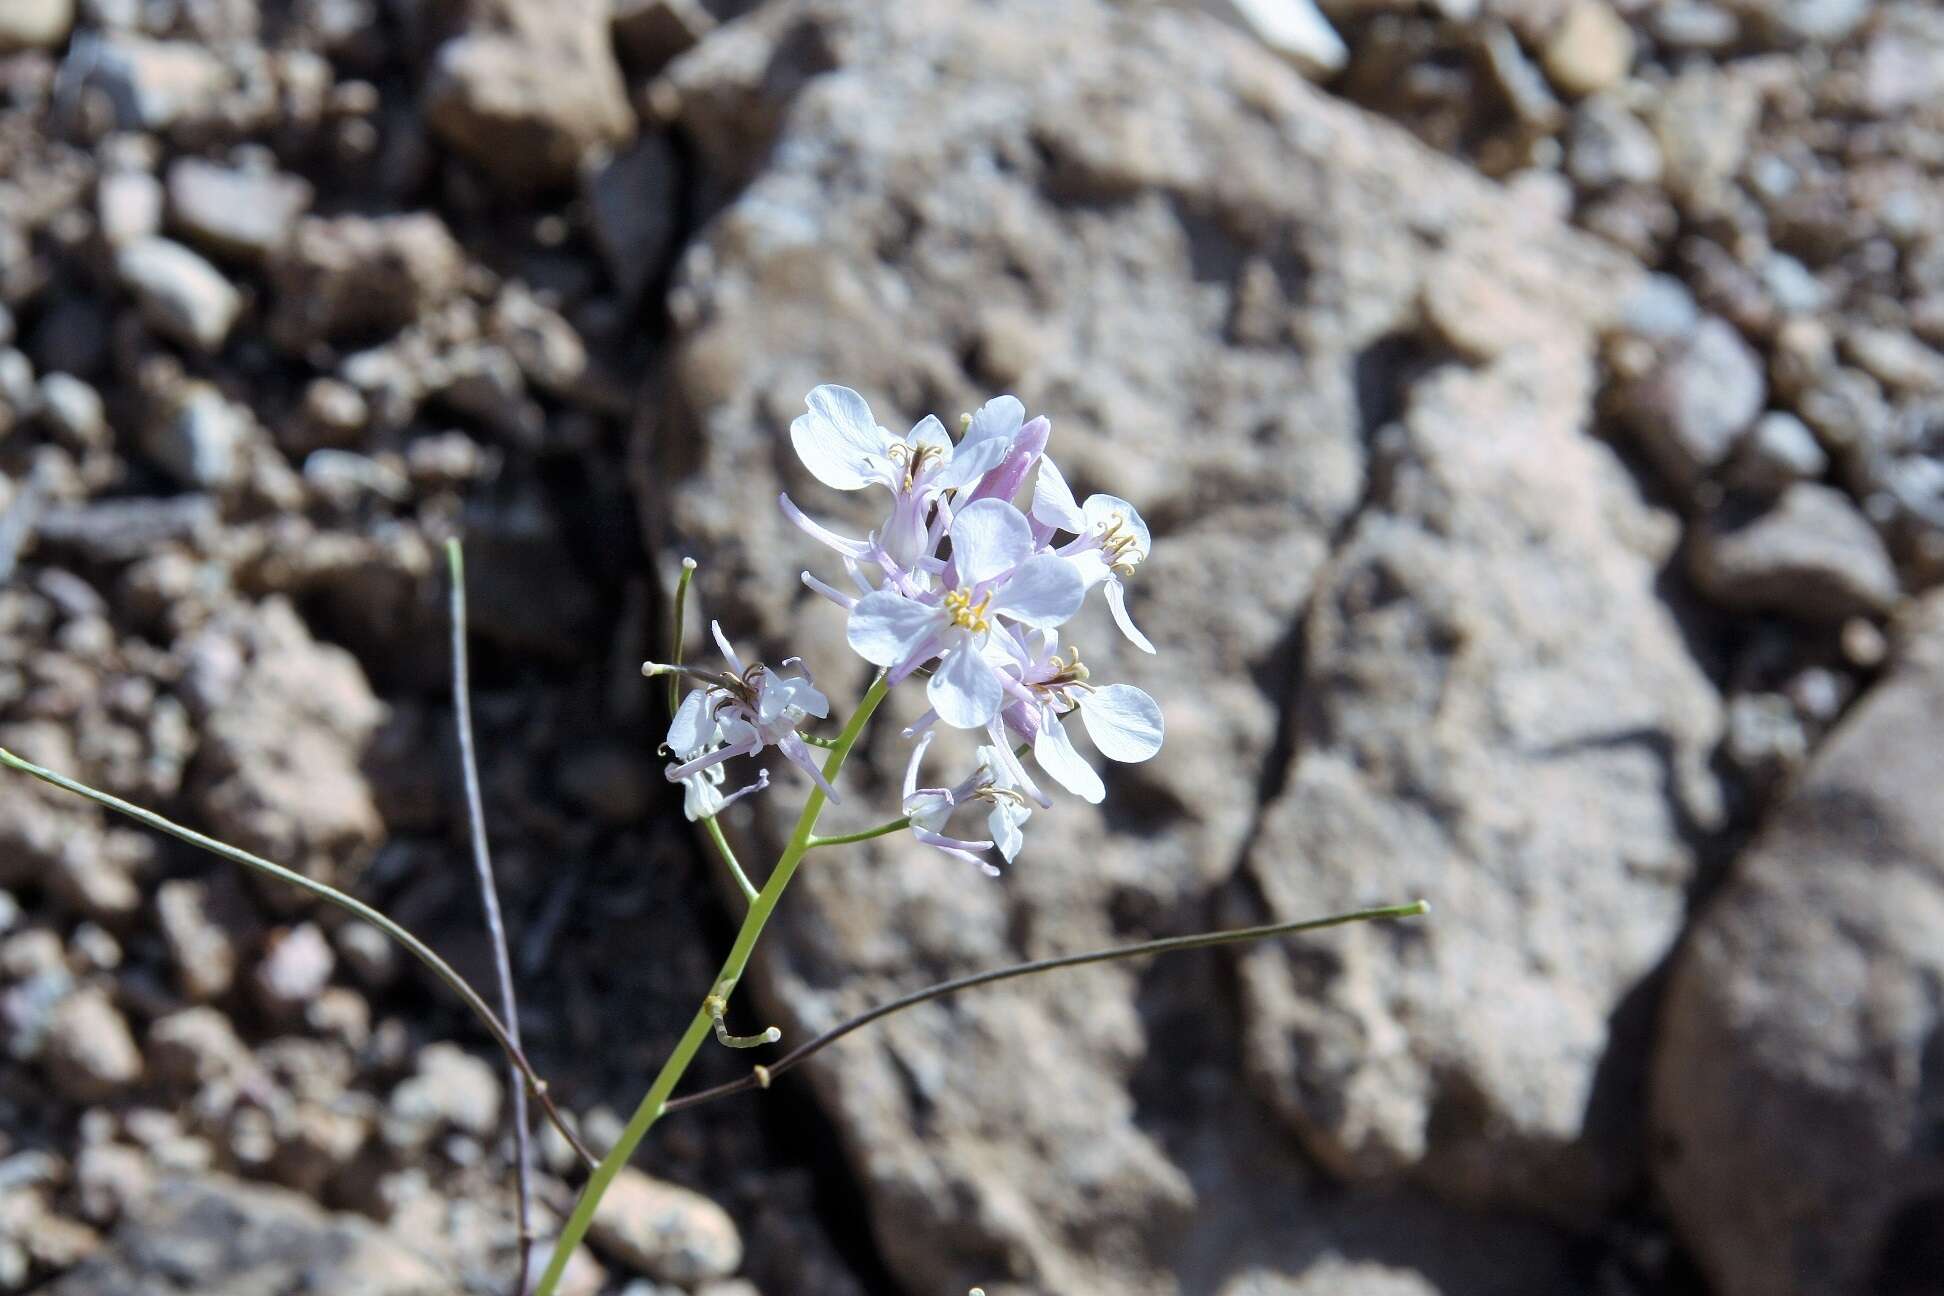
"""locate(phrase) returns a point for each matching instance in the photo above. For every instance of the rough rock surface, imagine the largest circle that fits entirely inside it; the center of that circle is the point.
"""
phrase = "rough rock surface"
(217, 1237)
(284, 730)
(1092, 247)
(1804, 1023)
(528, 88)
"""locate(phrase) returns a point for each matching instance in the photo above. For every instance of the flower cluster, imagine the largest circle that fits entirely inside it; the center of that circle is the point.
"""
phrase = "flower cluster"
(983, 556)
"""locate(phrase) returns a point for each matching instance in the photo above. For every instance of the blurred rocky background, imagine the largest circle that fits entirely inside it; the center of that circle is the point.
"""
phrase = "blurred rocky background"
(1539, 405)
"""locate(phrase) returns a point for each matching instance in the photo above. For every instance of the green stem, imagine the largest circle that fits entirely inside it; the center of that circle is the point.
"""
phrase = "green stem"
(865, 834)
(698, 1030)
(416, 947)
(714, 829)
(675, 651)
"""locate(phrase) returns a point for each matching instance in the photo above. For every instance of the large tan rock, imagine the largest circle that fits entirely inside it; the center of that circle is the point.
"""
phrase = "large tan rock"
(1217, 282)
(1798, 1086)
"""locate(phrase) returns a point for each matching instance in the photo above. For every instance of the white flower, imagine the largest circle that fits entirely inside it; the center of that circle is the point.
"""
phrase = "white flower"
(1111, 542)
(741, 714)
(1123, 721)
(843, 447)
(994, 572)
(929, 808)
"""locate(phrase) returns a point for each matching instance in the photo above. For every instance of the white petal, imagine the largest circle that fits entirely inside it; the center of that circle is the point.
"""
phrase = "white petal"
(965, 691)
(1044, 592)
(728, 652)
(928, 809)
(1054, 752)
(989, 538)
(1092, 567)
(911, 770)
(1003, 823)
(1117, 604)
(929, 432)
(838, 440)
(693, 728)
(1053, 502)
(886, 627)
(1123, 722)
(969, 462)
(1103, 511)
(997, 420)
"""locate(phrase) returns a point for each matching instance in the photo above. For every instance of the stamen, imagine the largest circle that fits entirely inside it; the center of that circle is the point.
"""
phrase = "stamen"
(966, 614)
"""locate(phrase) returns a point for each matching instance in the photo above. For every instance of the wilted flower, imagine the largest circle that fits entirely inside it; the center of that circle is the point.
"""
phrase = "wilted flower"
(741, 714)
(928, 809)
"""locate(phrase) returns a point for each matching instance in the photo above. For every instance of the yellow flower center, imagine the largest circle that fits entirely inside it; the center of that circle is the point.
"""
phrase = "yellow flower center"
(966, 614)
(1120, 545)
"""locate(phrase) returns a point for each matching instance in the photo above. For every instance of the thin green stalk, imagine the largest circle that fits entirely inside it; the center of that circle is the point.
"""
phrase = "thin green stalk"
(762, 1076)
(675, 653)
(714, 829)
(864, 834)
(413, 945)
(760, 909)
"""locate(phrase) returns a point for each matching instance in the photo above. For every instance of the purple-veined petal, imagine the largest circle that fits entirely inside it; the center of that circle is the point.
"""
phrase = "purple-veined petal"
(886, 628)
(804, 756)
(693, 727)
(1055, 754)
(969, 462)
(1053, 501)
(1117, 604)
(1044, 592)
(1124, 723)
(964, 690)
(928, 808)
(728, 653)
(958, 849)
(989, 538)
(823, 535)
(829, 591)
(838, 440)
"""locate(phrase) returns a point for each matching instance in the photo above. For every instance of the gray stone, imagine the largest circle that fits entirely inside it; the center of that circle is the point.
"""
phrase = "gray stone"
(1142, 224)
(278, 771)
(90, 1054)
(121, 530)
(1811, 555)
(201, 438)
(181, 295)
(233, 211)
(528, 89)
(1895, 359)
(296, 966)
(73, 410)
(1690, 410)
(1779, 451)
(1607, 145)
(151, 84)
(199, 946)
(1704, 118)
(349, 275)
(211, 1236)
(450, 1090)
(1795, 22)
(196, 1047)
(34, 24)
(1802, 1021)
(128, 206)
(665, 1231)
